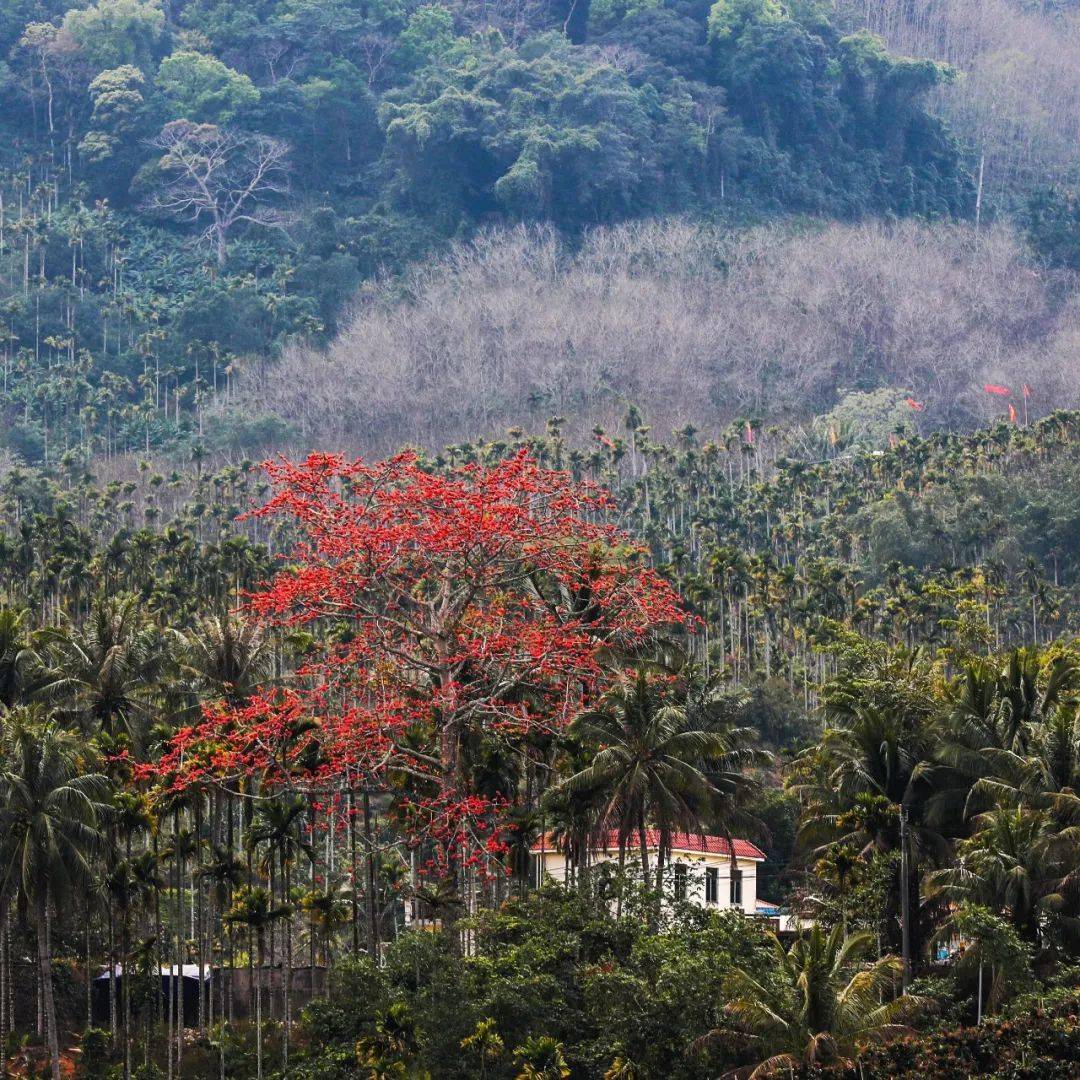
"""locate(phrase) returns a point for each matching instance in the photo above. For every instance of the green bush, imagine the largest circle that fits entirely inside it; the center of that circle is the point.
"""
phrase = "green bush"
(94, 1053)
(1044, 1045)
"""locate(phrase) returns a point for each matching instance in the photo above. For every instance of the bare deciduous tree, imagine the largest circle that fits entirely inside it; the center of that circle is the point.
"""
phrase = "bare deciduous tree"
(1019, 100)
(696, 324)
(218, 177)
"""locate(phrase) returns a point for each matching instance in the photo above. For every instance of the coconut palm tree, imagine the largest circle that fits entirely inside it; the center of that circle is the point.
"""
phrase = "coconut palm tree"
(658, 762)
(22, 674)
(106, 666)
(1013, 729)
(820, 1005)
(227, 656)
(1013, 864)
(50, 808)
(881, 744)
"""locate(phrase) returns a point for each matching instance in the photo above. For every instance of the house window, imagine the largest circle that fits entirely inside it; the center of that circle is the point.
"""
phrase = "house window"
(736, 887)
(680, 881)
(712, 885)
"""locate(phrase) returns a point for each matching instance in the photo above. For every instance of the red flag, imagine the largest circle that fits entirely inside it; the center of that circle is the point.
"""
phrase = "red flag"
(1000, 391)
(1012, 413)
(918, 406)
(1027, 390)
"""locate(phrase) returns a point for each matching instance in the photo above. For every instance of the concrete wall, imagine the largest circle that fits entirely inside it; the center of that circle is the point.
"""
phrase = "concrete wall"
(696, 863)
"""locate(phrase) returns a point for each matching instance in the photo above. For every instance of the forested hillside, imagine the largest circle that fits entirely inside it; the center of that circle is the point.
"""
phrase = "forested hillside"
(1018, 103)
(701, 325)
(188, 187)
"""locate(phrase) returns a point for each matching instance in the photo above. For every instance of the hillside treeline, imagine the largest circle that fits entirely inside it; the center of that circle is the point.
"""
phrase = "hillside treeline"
(188, 187)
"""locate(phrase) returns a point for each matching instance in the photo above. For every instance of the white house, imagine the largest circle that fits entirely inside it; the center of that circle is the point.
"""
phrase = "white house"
(702, 868)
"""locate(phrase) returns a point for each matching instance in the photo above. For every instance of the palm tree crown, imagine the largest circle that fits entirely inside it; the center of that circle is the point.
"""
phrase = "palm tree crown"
(824, 1003)
(656, 761)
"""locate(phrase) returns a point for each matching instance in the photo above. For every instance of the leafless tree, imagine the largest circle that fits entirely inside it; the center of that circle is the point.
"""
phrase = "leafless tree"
(218, 177)
(374, 51)
(514, 19)
(696, 324)
(1018, 102)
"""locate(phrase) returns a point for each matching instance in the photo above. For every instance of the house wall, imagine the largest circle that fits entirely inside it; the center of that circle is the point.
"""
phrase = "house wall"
(696, 862)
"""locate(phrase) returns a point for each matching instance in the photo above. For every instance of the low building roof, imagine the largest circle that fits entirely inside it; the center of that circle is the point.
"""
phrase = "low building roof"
(188, 971)
(688, 842)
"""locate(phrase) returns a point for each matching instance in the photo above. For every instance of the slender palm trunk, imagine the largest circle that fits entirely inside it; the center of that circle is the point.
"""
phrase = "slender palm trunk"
(45, 966)
(159, 997)
(261, 934)
(178, 982)
(287, 982)
(905, 899)
(114, 1026)
(352, 869)
(222, 1005)
(643, 845)
(125, 947)
(271, 871)
(7, 961)
(5, 1015)
(200, 927)
(89, 989)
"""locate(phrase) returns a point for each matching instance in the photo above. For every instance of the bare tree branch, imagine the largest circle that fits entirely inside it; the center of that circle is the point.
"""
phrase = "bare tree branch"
(217, 177)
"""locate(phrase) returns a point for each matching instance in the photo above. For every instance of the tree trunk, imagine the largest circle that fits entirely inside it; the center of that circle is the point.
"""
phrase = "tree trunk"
(354, 903)
(89, 987)
(45, 966)
(200, 928)
(179, 980)
(114, 1026)
(643, 844)
(159, 944)
(905, 900)
(5, 1015)
(258, 1007)
(288, 980)
(372, 902)
(125, 951)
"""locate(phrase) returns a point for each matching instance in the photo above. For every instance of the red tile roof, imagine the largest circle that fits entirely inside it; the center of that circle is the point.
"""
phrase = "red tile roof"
(712, 845)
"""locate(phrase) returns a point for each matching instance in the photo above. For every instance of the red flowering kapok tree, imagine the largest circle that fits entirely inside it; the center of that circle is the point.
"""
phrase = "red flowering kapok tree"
(451, 608)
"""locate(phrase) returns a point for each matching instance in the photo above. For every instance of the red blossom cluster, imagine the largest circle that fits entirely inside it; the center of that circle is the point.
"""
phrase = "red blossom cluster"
(463, 830)
(481, 602)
